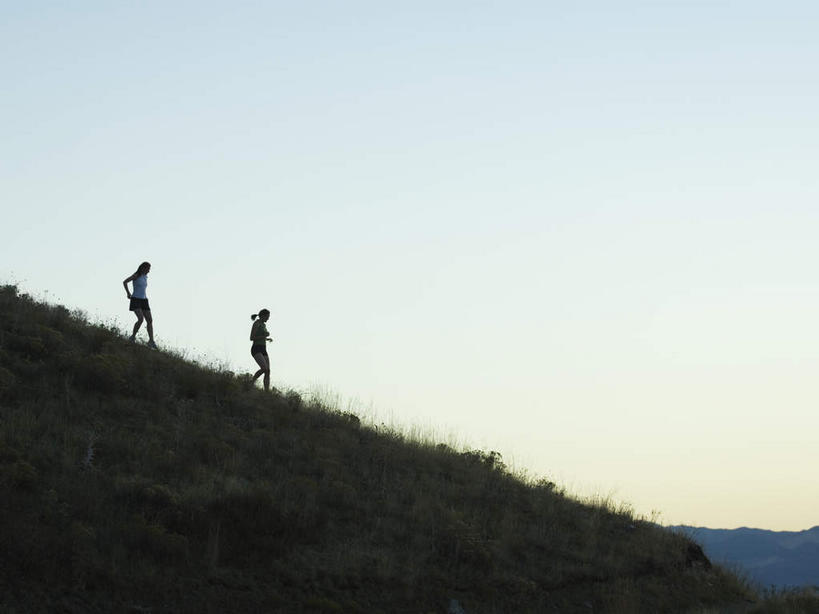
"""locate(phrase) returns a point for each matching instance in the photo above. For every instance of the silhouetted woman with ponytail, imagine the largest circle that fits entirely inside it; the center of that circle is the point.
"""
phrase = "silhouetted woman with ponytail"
(259, 336)
(139, 301)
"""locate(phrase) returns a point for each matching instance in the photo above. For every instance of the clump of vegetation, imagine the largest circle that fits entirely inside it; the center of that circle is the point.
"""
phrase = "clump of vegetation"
(787, 601)
(138, 481)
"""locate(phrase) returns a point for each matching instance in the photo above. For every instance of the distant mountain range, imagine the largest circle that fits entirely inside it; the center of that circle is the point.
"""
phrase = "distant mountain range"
(778, 558)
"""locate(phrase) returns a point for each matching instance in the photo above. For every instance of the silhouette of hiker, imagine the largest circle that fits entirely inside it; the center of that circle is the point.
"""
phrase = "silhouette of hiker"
(139, 302)
(259, 336)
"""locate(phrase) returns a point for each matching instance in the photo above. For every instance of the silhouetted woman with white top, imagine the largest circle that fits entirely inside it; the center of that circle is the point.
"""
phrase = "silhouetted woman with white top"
(139, 301)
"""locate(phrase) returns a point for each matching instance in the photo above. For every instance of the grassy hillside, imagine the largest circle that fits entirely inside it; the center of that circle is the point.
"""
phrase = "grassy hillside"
(136, 481)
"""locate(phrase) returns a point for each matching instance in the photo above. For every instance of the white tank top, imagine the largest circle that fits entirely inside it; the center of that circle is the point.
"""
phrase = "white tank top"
(140, 283)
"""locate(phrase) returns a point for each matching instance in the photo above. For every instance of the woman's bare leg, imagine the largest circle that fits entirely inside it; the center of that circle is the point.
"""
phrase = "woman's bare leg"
(265, 368)
(140, 317)
(149, 320)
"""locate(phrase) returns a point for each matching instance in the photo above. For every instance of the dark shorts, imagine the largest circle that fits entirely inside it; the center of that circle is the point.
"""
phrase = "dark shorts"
(139, 303)
(258, 349)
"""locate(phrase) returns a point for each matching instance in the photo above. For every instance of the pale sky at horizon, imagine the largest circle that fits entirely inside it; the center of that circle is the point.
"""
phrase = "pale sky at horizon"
(584, 236)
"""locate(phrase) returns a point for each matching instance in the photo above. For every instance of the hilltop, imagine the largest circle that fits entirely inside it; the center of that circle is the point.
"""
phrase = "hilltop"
(138, 481)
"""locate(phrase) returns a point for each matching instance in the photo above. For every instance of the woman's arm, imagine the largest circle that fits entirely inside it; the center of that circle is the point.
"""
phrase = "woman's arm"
(125, 283)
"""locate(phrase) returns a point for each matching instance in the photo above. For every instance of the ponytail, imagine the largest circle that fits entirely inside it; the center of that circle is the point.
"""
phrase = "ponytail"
(262, 312)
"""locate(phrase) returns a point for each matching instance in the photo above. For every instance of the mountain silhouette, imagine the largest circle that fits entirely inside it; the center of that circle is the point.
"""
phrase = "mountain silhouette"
(770, 558)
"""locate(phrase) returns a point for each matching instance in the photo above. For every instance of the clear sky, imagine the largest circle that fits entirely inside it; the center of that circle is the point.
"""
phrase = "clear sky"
(582, 234)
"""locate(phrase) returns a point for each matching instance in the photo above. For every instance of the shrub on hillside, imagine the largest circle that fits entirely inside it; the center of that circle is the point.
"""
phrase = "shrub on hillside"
(18, 474)
(104, 373)
(7, 381)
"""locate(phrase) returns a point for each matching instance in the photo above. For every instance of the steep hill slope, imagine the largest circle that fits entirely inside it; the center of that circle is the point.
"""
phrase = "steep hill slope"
(136, 481)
